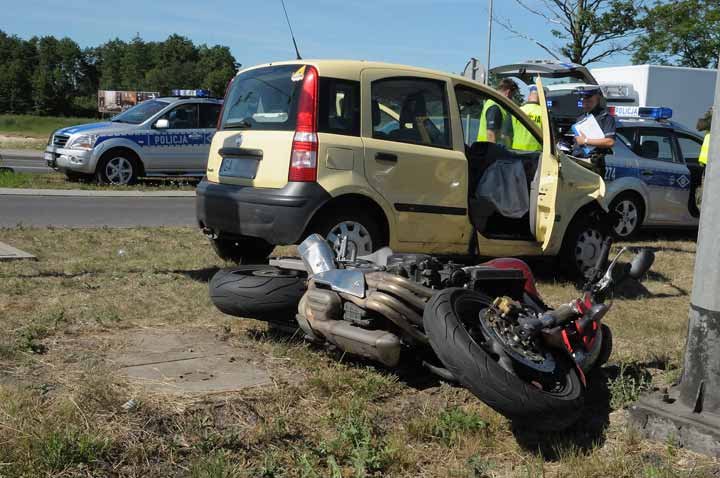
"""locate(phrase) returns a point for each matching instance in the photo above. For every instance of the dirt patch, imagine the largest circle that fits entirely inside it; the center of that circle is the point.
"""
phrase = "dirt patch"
(193, 361)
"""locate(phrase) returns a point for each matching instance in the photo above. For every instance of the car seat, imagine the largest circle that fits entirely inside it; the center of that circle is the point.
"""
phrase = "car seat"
(412, 114)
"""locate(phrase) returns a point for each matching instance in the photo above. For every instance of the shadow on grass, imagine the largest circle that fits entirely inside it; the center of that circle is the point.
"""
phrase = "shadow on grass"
(200, 275)
(587, 433)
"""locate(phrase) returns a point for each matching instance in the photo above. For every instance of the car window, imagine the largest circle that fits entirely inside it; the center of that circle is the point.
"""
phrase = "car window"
(140, 112)
(209, 113)
(183, 116)
(484, 119)
(656, 144)
(339, 108)
(415, 111)
(689, 147)
(625, 135)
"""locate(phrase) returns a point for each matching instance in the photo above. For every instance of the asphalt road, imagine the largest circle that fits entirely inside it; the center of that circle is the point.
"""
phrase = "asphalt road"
(43, 211)
(23, 161)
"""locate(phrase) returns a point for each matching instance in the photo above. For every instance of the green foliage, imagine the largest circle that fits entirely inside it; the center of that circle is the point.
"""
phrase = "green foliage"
(51, 76)
(628, 385)
(683, 32)
(215, 465)
(36, 126)
(62, 449)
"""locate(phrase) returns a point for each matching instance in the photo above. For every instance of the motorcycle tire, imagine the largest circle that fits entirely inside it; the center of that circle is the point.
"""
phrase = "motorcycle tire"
(480, 372)
(258, 292)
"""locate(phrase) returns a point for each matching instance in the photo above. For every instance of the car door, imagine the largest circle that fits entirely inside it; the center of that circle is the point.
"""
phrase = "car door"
(690, 146)
(177, 147)
(664, 173)
(544, 190)
(208, 119)
(412, 158)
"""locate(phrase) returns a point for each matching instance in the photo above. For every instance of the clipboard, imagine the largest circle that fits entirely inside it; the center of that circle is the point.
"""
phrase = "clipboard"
(589, 127)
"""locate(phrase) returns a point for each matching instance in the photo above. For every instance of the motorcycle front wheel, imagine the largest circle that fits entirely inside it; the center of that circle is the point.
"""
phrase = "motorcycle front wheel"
(551, 400)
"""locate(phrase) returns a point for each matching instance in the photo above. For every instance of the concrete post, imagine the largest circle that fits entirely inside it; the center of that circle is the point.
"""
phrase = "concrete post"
(689, 413)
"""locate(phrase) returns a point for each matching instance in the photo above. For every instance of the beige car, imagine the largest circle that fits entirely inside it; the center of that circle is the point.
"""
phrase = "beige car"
(389, 155)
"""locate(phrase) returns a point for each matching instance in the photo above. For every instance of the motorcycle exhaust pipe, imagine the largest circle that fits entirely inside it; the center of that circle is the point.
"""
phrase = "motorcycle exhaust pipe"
(319, 315)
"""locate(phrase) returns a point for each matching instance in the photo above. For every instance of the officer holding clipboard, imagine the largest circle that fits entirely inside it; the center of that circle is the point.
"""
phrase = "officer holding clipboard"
(594, 141)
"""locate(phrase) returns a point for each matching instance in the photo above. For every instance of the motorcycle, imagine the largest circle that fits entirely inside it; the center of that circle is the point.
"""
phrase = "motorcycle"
(483, 326)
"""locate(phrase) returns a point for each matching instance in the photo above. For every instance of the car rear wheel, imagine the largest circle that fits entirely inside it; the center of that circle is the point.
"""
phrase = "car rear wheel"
(629, 211)
(118, 169)
(362, 230)
(242, 250)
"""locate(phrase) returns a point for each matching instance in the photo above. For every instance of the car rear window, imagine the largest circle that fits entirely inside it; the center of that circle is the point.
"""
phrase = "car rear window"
(263, 99)
(339, 109)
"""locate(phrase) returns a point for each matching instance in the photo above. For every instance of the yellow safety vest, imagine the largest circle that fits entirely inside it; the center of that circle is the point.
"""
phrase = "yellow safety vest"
(482, 130)
(523, 139)
(704, 150)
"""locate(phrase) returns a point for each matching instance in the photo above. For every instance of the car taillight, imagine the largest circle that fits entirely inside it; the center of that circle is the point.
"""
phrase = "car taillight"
(222, 108)
(303, 158)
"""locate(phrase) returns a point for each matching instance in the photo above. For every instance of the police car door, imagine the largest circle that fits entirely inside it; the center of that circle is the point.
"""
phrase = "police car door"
(177, 147)
(209, 113)
(664, 173)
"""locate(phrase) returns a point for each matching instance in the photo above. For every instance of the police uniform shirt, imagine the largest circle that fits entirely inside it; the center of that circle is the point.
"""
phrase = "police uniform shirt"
(607, 124)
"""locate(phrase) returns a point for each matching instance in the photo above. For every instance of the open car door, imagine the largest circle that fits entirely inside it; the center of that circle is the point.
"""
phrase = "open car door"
(544, 190)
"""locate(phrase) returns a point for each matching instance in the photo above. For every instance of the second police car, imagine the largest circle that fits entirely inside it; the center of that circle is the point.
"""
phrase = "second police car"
(652, 176)
(158, 137)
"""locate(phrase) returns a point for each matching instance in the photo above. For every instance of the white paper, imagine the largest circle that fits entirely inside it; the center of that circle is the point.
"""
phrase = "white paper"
(589, 127)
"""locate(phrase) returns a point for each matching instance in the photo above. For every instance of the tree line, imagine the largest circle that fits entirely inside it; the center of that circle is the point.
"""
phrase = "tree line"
(55, 76)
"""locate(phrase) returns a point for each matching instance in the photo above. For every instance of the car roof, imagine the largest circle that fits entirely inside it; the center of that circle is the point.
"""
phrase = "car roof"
(653, 123)
(199, 99)
(350, 69)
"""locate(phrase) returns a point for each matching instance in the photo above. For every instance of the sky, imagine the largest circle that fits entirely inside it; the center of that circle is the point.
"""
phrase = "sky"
(436, 34)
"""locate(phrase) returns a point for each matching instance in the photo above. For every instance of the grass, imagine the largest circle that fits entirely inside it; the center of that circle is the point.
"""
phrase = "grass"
(61, 397)
(10, 179)
(38, 127)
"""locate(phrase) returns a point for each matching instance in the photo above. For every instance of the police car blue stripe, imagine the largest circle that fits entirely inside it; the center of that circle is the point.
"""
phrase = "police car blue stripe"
(83, 127)
(659, 177)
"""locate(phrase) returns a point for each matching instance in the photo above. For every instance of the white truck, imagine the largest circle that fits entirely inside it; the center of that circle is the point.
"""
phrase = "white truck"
(688, 92)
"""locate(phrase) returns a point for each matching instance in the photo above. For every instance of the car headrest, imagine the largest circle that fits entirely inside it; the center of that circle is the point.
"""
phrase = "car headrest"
(413, 107)
(650, 149)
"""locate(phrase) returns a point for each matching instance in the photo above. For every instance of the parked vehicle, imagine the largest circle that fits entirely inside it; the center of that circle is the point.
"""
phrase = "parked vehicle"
(484, 326)
(168, 136)
(653, 173)
(384, 155)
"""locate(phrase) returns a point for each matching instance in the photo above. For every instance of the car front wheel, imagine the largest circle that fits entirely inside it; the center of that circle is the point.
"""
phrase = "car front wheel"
(582, 245)
(117, 169)
(629, 212)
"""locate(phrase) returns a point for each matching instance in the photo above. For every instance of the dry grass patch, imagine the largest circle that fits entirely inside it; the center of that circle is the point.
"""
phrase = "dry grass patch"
(61, 401)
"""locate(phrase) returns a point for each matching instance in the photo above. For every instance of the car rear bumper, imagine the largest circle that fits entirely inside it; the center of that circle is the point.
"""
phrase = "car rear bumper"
(279, 216)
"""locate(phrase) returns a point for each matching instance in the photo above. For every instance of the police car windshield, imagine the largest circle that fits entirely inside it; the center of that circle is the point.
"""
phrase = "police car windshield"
(264, 99)
(140, 112)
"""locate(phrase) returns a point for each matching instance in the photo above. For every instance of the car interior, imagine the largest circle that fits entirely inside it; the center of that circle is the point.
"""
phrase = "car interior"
(500, 179)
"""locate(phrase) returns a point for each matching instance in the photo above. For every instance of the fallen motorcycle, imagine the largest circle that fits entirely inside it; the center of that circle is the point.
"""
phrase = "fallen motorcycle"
(483, 326)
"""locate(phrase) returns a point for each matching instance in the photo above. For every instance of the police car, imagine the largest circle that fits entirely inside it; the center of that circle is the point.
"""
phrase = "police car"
(158, 137)
(653, 173)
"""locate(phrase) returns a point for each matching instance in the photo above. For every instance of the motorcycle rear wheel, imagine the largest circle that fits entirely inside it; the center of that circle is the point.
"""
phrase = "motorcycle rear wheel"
(477, 367)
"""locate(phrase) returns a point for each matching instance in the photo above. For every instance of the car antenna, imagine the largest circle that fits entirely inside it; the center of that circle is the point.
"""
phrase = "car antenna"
(292, 35)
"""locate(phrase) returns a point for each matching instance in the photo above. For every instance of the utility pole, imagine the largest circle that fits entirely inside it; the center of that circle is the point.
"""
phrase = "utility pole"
(689, 413)
(489, 37)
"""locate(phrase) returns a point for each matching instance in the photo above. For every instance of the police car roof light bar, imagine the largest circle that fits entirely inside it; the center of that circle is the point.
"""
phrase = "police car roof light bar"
(648, 112)
(199, 93)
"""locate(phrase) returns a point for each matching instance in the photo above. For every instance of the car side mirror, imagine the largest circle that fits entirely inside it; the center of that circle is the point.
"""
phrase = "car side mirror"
(641, 264)
(162, 124)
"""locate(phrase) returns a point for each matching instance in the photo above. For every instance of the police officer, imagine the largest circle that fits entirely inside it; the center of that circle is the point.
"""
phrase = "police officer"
(593, 103)
(523, 140)
(495, 121)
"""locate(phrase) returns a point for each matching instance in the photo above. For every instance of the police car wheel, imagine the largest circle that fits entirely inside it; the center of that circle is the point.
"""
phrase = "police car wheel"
(118, 169)
(629, 212)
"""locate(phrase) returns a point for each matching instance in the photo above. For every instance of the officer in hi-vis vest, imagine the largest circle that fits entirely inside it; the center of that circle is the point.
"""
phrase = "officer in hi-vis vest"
(495, 121)
(523, 139)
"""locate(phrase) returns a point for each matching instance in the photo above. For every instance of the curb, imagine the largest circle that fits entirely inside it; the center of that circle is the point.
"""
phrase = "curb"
(92, 193)
(22, 153)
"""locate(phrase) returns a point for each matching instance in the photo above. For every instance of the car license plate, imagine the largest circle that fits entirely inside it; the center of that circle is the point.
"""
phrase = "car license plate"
(239, 167)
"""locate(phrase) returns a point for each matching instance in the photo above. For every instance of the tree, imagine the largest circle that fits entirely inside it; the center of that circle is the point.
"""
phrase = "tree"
(684, 32)
(590, 30)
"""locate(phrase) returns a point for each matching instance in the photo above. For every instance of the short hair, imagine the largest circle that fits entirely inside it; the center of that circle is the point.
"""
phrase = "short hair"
(705, 122)
(506, 84)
